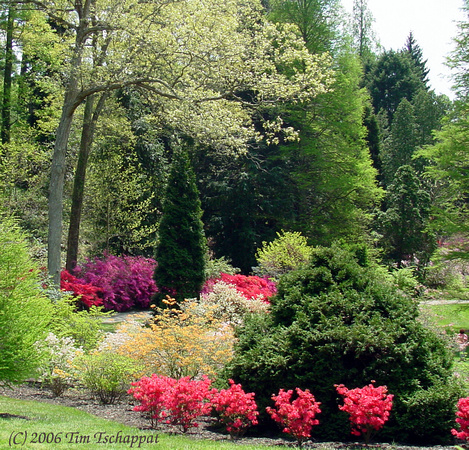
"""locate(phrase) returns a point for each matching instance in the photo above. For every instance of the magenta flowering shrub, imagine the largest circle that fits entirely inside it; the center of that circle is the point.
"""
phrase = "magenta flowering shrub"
(125, 282)
(251, 287)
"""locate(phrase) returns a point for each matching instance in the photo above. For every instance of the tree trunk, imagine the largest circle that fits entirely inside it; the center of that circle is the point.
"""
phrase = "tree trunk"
(7, 74)
(90, 119)
(56, 189)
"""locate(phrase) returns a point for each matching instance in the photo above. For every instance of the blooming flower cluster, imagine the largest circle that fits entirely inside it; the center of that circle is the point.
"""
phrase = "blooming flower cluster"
(181, 401)
(237, 409)
(251, 287)
(369, 408)
(175, 401)
(462, 419)
(124, 282)
(230, 305)
(58, 370)
(86, 294)
(298, 416)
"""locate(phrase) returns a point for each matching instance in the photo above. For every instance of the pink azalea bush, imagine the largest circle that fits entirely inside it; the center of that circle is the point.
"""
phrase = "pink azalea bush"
(237, 409)
(125, 282)
(369, 408)
(462, 419)
(298, 416)
(251, 287)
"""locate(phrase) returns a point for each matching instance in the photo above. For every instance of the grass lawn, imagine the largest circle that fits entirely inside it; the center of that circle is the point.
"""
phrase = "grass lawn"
(451, 316)
(39, 424)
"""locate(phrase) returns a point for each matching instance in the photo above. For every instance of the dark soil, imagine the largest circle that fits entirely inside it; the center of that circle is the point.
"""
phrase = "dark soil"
(122, 412)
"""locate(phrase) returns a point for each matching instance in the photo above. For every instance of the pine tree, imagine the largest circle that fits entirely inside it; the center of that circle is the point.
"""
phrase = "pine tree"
(415, 52)
(404, 221)
(181, 250)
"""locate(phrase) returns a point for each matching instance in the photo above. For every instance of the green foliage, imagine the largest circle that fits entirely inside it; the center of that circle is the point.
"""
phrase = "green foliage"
(215, 267)
(447, 166)
(287, 252)
(119, 216)
(404, 220)
(24, 311)
(431, 411)
(84, 327)
(181, 250)
(393, 77)
(106, 375)
(405, 280)
(401, 143)
(336, 322)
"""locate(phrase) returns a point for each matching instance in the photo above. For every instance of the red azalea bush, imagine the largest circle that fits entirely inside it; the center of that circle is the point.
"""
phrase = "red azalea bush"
(187, 400)
(150, 392)
(297, 416)
(125, 282)
(369, 408)
(462, 419)
(177, 402)
(249, 286)
(86, 294)
(237, 409)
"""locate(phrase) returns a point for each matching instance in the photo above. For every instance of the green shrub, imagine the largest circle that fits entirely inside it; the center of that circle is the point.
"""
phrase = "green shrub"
(336, 322)
(24, 311)
(107, 375)
(215, 267)
(287, 252)
(84, 326)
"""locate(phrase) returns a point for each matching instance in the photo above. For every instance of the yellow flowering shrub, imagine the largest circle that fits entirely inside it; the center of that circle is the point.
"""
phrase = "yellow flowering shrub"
(184, 341)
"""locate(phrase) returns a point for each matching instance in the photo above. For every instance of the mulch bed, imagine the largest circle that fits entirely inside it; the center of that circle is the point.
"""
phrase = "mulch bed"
(122, 412)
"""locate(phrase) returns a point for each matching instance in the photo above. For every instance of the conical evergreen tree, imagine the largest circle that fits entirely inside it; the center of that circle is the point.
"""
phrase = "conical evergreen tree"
(416, 54)
(181, 250)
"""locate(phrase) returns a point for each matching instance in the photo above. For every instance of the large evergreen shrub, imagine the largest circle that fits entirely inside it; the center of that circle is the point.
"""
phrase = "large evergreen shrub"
(336, 322)
(181, 250)
(24, 311)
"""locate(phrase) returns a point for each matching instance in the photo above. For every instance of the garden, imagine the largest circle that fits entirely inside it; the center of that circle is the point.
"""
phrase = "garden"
(327, 346)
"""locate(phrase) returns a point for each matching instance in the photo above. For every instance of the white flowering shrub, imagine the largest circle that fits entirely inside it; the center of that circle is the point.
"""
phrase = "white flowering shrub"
(229, 305)
(58, 370)
(112, 342)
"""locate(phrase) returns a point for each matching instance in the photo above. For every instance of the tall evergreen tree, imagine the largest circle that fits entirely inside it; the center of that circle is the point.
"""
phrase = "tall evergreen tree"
(392, 78)
(404, 221)
(401, 143)
(363, 35)
(415, 52)
(181, 250)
